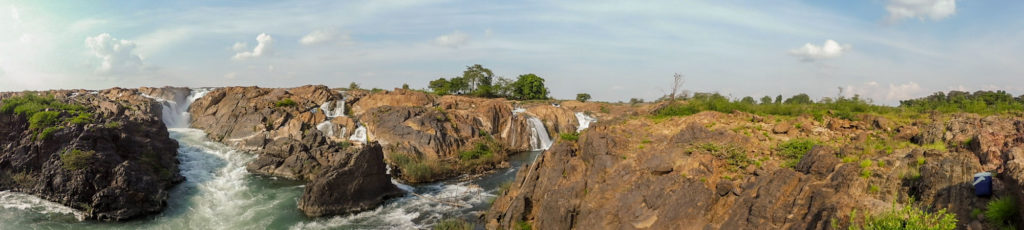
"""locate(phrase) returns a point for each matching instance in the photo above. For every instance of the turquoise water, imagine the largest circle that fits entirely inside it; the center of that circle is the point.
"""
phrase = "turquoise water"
(220, 194)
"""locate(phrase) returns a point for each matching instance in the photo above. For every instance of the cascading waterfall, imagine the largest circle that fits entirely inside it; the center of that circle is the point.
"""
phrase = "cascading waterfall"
(584, 121)
(359, 135)
(220, 194)
(540, 139)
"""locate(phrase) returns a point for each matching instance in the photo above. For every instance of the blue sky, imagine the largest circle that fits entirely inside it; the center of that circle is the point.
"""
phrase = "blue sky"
(886, 50)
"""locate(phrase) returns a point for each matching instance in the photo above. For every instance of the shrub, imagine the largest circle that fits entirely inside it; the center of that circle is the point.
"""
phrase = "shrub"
(874, 189)
(937, 145)
(453, 224)
(583, 97)
(1001, 210)
(113, 125)
(46, 133)
(866, 163)
(344, 144)
(82, 118)
(44, 119)
(574, 136)
(523, 225)
(906, 217)
(287, 102)
(794, 150)
(735, 157)
(76, 159)
(480, 150)
(415, 169)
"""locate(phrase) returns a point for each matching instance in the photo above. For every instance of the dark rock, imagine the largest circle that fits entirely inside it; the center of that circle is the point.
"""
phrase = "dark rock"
(353, 186)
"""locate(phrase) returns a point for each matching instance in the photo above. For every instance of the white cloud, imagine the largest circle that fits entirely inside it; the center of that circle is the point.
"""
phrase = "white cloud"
(240, 46)
(231, 75)
(324, 36)
(454, 40)
(920, 9)
(810, 52)
(903, 91)
(263, 48)
(15, 15)
(118, 56)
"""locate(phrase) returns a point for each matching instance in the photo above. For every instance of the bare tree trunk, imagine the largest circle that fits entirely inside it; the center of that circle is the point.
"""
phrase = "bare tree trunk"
(677, 84)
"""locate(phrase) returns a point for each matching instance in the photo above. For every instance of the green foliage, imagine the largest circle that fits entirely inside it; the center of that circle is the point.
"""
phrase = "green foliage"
(799, 99)
(582, 97)
(735, 157)
(41, 120)
(453, 224)
(344, 145)
(920, 161)
(405, 86)
(905, 217)
(573, 136)
(634, 101)
(441, 86)
(866, 163)
(82, 118)
(766, 100)
(113, 125)
(523, 225)
(353, 85)
(529, 87)
(1001, 211)
(416, 169)
(480, 150)
(287, 102)
(23, 179)
(794, 150)
(845, 108)
(865, 173)
(47, 132)
(937, 145)
(76, 159)
(874, 189)
(980, 102)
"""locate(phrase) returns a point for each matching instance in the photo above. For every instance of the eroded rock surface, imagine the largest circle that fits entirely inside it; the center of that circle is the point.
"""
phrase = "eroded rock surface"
(358, 184)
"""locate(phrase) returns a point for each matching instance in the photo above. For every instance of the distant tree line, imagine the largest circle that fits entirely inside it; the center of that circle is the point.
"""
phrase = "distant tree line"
(479, 81)
(981, 102)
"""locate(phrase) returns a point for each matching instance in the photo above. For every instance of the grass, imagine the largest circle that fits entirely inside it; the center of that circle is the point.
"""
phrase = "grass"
(76, 159)
(82, 118)
(23, 179)
(113, 125)
(874, 189)
(866, 163)
(735, 157)
(905, 217)
(42, 120)
(865, 173)
(937, 145)
(794, 150)
(45, 113)
(573, 136)
(344, 145)
(453, 224)
(47, 132)
(287, 102)
(523, 225)
(1001, 211)
(920, 161)
(415, 169)
(480, 150)
(846, 108)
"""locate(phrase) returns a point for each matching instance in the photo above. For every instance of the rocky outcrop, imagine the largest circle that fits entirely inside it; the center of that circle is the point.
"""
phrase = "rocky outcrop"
(556, 119)
(707, 171)
(358, 184)
(106, 153)
(396, 98)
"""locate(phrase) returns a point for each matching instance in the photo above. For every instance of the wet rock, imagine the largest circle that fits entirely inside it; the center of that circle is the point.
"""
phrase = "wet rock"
(357, 185)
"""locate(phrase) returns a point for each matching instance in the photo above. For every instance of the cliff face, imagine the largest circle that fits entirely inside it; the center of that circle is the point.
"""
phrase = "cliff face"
(726, 171)
(104, 153)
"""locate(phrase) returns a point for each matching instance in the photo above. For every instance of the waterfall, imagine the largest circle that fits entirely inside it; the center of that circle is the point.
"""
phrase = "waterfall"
(175, 112)
(337, 111)
(359, 135)
(326, 128)
(540, 139)
(584, 121)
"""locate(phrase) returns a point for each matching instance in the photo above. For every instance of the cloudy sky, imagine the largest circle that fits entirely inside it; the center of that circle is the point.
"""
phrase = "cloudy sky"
(886, 50)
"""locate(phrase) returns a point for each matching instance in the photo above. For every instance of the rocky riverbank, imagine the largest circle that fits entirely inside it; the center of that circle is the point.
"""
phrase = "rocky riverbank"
(741, 171)
(105, 153)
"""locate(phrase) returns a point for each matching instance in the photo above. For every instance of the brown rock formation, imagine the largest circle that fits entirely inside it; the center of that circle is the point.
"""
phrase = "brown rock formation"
(358, 184)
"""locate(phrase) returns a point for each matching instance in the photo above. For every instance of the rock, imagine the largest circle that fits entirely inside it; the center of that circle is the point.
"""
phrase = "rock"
(357, 185)
(397, 98)
(126, 160)
(782, 127)
(820, 162)
(556, 119)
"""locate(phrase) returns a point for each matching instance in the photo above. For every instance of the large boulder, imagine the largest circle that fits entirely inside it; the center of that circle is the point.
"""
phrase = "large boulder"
(359, 184)
(117, 163)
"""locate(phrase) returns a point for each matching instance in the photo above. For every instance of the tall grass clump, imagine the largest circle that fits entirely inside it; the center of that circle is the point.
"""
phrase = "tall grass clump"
(794, 150)
(905, 217)
(1001, 211)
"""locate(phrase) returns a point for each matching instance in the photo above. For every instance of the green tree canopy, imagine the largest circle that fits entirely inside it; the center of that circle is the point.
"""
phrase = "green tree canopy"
(583, 97)
(799, 99)
(441, 86)
(530, 87)
(766, 100)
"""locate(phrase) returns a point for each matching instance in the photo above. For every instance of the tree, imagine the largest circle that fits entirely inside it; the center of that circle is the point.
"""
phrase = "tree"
(766, 100)
(530, 87)
(353, 85)
(405, 86)
(583, 97)
(503, 88)
(799, 99)
(677, 84)
(748, 100)
(459, 86)
(441, 86)
(778, 99)
(634, 101)
(479, 80)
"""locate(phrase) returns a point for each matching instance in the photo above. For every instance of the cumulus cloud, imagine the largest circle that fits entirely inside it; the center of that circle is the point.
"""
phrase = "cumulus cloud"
(117, 55)
(453, 40)
(810, 52)
(324, 36)
(891, 94)
(263, 48)
(920, 9)
(240, 46)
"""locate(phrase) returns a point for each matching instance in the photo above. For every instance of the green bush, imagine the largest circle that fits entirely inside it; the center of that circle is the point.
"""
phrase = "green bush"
(82, 118)
(47, 132)
(453, 224)
(573, 136)
(113, 125)
(735, 157)
(582, 97)
(523, 225)
(415, 169)
(44, 119)
(794, 150)
(344, 145)
(1001, 210)
(287, 102)
(76, 159)
(480, 150)
(906, 217)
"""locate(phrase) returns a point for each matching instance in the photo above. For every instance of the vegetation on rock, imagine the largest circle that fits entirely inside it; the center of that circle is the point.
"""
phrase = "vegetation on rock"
(904, 217)
(76, 159)
(1001, 211)
(479, 81)
(287, 102)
